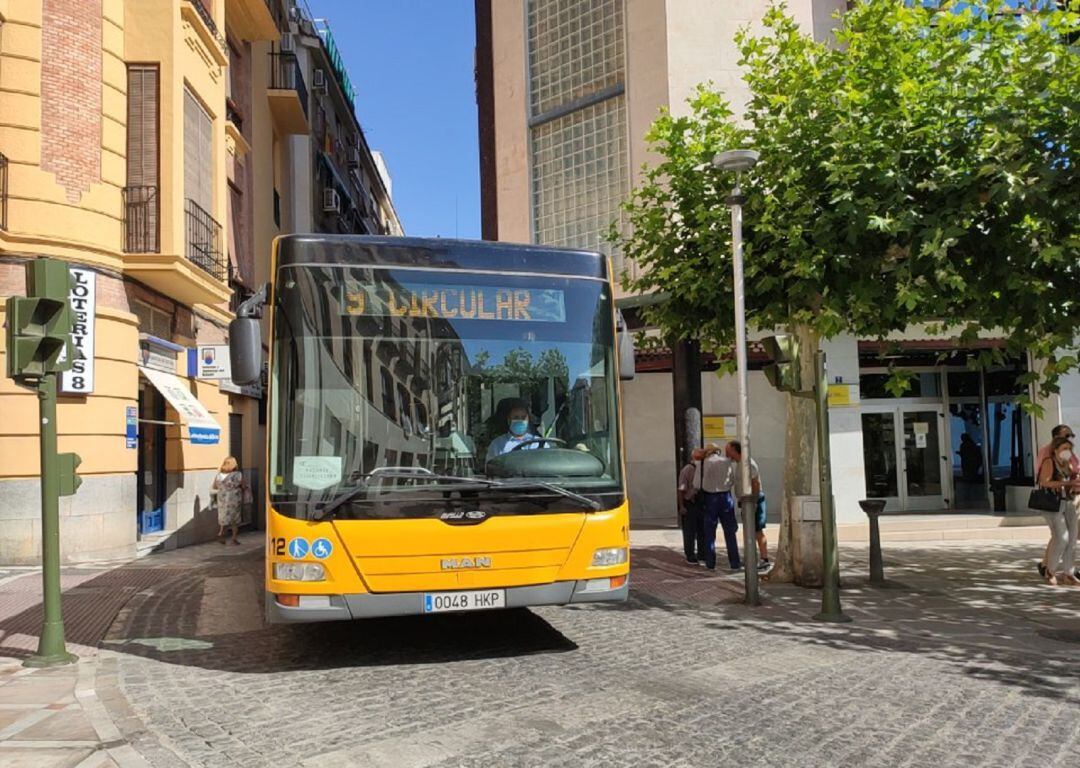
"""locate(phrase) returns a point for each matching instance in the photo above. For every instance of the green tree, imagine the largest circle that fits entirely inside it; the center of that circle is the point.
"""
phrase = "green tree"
(922, 167)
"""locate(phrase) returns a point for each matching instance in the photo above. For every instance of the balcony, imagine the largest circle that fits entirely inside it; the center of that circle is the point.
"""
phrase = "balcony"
(255, 19)
(3, 190)
(234, 130)
(195, 276)
(204, 242)
(202, 22)
(288, 94)
(141, 223)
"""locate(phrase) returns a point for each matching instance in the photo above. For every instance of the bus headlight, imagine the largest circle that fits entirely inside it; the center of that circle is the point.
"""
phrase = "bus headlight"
(299, 572)
(609, 556)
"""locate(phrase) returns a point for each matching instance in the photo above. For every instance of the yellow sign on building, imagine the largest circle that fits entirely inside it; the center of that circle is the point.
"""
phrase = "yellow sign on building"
(719, 427)
(843, 395)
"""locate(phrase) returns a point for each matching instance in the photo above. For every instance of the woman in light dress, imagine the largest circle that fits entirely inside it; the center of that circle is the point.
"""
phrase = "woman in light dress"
(230, 486)
(1057, 475)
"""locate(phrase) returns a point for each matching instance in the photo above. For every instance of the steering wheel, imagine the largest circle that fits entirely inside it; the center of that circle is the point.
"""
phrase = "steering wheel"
(519, 446)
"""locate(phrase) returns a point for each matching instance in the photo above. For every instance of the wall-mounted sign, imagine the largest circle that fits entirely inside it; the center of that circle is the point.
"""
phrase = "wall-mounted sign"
(209, 362)
(158, 354)
(83, 299)
(719, 427)
(131, 427)
(843, 395)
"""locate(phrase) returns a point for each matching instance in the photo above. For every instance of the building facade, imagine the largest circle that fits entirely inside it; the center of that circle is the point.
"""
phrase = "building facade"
(566, 92)
(340, 185)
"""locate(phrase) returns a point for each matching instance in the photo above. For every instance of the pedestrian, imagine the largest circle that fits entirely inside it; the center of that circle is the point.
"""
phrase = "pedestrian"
(970, 458)
(1056, 474)
(1061, 430)
(691, 509)
(231, 489)
(717, 475)
(733, 450)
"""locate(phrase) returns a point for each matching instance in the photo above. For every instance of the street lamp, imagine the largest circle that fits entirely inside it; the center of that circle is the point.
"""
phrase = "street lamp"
(739, 160)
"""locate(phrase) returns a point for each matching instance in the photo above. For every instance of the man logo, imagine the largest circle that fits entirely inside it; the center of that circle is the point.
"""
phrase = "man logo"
(461, 516)
(457, 564)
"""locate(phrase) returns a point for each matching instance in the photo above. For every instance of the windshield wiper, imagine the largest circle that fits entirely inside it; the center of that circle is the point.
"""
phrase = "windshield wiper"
(411, 473)
(594, 505)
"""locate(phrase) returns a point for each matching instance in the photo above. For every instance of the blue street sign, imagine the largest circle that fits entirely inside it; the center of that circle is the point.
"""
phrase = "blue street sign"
(131, 434)
(298, 549)
(321, 548)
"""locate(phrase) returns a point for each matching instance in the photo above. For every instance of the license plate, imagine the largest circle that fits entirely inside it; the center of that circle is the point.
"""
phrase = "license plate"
(478, 600)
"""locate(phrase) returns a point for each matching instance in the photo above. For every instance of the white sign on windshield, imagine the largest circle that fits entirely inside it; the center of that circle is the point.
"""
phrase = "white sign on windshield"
(316, 473)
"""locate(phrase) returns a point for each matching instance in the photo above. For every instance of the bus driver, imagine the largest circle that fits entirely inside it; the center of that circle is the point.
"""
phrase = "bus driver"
(518, 433)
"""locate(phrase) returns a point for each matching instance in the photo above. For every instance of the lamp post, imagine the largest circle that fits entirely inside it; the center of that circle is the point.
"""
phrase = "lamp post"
(739, 160)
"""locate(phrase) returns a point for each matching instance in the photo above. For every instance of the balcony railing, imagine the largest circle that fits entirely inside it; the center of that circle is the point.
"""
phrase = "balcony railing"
(141, 220)
(204, 242)
(285, 75)
(3, 190)
(233, 114)
(208, 19)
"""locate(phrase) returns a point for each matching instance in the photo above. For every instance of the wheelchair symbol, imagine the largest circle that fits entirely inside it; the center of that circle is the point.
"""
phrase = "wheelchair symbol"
(321, 548)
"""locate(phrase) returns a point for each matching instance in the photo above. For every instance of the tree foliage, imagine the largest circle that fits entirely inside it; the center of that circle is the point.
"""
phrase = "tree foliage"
(922, 167)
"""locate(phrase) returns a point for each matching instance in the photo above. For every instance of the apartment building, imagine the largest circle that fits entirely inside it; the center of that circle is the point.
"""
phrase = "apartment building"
(137, 143)
(341, 185)
(566, 92)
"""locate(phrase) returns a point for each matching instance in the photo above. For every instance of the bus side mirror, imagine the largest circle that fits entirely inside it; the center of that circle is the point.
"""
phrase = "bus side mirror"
(245, 340)
(245, 350)
(626, 348)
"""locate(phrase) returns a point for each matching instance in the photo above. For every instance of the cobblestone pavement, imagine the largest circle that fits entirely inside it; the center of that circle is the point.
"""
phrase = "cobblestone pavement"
(965, 660)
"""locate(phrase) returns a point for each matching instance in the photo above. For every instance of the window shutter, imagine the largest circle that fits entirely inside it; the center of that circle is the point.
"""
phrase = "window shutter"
(198, 154)
(142, 121)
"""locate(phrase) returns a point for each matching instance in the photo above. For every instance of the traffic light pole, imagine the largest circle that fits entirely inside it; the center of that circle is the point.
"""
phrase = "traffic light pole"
(830, 593)
(51, 649)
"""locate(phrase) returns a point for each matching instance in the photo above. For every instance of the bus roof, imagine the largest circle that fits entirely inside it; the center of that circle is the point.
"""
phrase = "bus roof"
(437, 253)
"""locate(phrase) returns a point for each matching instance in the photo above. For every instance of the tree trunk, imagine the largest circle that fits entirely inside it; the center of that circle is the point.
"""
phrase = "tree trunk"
(798, 452)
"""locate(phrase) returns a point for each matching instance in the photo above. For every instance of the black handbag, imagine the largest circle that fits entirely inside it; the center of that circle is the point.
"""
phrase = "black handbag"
(1044, 500)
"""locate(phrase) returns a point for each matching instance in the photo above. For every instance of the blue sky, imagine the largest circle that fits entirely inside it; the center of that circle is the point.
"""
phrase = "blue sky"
(411, 63)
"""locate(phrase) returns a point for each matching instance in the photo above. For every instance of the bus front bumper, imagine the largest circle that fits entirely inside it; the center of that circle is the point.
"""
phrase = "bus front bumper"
(366, 605)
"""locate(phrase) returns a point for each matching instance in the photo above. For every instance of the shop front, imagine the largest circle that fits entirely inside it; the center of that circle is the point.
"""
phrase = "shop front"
(956, 438)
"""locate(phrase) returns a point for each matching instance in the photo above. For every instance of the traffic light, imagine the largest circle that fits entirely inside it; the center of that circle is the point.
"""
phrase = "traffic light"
(783, 371)
(39, 324)
(66, 465)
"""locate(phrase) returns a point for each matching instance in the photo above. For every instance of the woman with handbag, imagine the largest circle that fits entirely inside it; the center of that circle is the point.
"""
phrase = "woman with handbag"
(231, 490)
(1057, 486)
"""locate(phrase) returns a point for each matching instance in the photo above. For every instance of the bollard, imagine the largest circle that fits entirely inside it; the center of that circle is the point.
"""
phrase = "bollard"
(873, 509)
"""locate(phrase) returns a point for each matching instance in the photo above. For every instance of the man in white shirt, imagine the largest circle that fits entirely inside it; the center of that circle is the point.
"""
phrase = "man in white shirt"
(717, 477)
(733, 450)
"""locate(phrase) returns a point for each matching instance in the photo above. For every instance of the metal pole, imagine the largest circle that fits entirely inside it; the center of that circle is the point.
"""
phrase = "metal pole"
(51, 650)
(830, 593)
(748, 502)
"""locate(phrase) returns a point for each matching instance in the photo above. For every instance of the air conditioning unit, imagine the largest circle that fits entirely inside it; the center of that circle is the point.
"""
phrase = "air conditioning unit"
(331, 201)
(319, 81)
(354, 157)
(288, 44)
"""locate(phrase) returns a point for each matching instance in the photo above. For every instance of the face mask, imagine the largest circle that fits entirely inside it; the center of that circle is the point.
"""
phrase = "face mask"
(519, 427)
(1064, 456)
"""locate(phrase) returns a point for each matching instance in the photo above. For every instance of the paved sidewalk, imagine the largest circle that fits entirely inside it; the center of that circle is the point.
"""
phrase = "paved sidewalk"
(57, 717)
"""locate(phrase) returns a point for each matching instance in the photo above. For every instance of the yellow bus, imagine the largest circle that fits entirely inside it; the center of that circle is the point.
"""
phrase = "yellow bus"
(443, 427)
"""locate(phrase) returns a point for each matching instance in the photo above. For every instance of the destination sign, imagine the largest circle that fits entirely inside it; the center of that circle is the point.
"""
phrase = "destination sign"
(454, 302)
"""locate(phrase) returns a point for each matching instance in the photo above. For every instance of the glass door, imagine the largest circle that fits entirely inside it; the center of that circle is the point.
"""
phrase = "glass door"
(880, 457)
(924, 461)
(903, 456)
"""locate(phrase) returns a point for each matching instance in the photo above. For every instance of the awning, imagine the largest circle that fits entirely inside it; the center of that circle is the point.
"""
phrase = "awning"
(202, 429)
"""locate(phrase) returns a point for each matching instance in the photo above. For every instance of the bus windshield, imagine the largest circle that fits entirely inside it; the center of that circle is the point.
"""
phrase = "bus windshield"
(408, 392)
